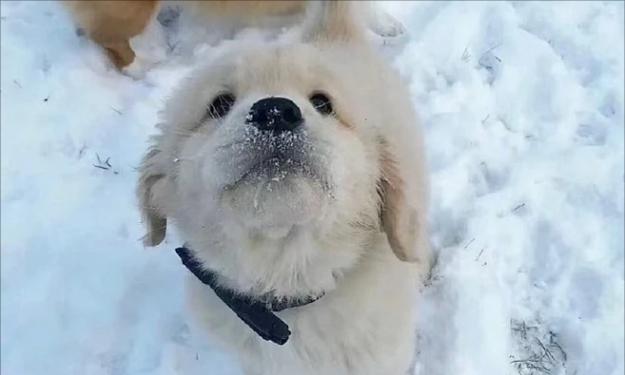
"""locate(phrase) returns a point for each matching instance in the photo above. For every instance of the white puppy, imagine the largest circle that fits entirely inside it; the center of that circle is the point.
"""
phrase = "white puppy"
(295, 173)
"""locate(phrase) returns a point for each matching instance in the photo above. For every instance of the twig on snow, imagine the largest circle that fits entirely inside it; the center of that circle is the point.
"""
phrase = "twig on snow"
(480, 254)
(515, 209)
(469, 243)
(105, 165)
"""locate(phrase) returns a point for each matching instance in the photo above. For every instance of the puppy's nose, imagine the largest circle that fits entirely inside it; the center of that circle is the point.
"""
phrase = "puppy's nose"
(275, 114)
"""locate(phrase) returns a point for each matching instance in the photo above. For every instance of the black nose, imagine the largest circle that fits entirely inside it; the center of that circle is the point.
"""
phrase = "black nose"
(275, 114)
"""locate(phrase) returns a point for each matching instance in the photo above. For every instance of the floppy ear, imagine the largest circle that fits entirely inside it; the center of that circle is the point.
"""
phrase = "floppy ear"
(150, 192)
(404, 204)
(334, 20)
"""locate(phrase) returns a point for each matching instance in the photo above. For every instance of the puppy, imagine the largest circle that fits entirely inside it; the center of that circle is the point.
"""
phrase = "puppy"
(112, 23)
(295, 173)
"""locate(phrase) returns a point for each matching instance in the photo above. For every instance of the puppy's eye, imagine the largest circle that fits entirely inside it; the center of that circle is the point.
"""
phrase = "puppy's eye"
(221, 105)
(322, 103)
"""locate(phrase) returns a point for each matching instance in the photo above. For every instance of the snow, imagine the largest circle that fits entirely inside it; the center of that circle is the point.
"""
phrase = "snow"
(523, 109)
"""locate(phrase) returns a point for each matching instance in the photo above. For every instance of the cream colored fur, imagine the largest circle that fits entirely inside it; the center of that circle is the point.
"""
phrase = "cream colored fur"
(355, 229)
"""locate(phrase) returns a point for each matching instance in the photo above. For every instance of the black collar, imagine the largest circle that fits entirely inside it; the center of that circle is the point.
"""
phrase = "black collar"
(257, 313)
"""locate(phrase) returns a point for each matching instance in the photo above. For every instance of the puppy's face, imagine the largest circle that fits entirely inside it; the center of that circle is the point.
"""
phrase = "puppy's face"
(272, 139)
(274, 143)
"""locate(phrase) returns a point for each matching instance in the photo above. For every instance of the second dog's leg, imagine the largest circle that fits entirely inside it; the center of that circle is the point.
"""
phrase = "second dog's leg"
(120, 53)
(111, 24)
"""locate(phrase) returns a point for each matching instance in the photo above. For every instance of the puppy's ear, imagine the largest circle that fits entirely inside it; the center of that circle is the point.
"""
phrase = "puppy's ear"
(334, 21)
(151, 191)
(403, 209)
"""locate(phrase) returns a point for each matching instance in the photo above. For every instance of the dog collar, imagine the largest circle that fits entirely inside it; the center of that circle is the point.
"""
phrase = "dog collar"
(257, 313)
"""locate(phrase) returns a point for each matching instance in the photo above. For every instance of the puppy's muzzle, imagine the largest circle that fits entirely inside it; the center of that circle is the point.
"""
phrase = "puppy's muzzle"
(276, 115)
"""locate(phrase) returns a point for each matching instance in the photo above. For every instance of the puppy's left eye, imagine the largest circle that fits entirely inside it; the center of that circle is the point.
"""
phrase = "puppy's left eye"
(221, 105)
(322, 103)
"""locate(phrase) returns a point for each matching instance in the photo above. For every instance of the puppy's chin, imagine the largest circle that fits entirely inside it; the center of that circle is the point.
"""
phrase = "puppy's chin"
(275, 204)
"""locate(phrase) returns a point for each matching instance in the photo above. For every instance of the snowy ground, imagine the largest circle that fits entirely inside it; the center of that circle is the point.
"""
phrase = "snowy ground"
(523, 109)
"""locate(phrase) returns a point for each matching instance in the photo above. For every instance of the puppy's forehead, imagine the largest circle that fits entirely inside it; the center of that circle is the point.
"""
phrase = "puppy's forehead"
(276, 68)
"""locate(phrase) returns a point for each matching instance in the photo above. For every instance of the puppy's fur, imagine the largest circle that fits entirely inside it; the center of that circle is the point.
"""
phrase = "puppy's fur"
(345, 217)
(112, 23)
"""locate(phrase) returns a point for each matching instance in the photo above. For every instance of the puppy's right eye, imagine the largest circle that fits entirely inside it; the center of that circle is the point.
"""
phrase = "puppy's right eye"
(221, 105)
(321, 103)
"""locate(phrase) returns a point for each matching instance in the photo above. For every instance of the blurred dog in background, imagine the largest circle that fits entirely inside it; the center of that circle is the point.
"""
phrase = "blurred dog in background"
(113, 23)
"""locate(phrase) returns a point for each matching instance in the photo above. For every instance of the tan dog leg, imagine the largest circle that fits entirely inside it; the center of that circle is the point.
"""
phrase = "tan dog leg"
(120, 53)
(111, 23)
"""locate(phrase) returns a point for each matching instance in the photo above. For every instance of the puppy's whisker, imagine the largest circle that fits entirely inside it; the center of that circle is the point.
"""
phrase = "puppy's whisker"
(193, 160)
(229, 145)
(182, 132)
(184, 129)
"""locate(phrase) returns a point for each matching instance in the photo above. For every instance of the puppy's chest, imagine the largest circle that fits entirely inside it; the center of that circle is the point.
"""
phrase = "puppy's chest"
(363, 327)
(335, 338)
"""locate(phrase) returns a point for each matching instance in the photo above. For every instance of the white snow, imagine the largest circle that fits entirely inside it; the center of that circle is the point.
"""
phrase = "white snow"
(523, 109)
